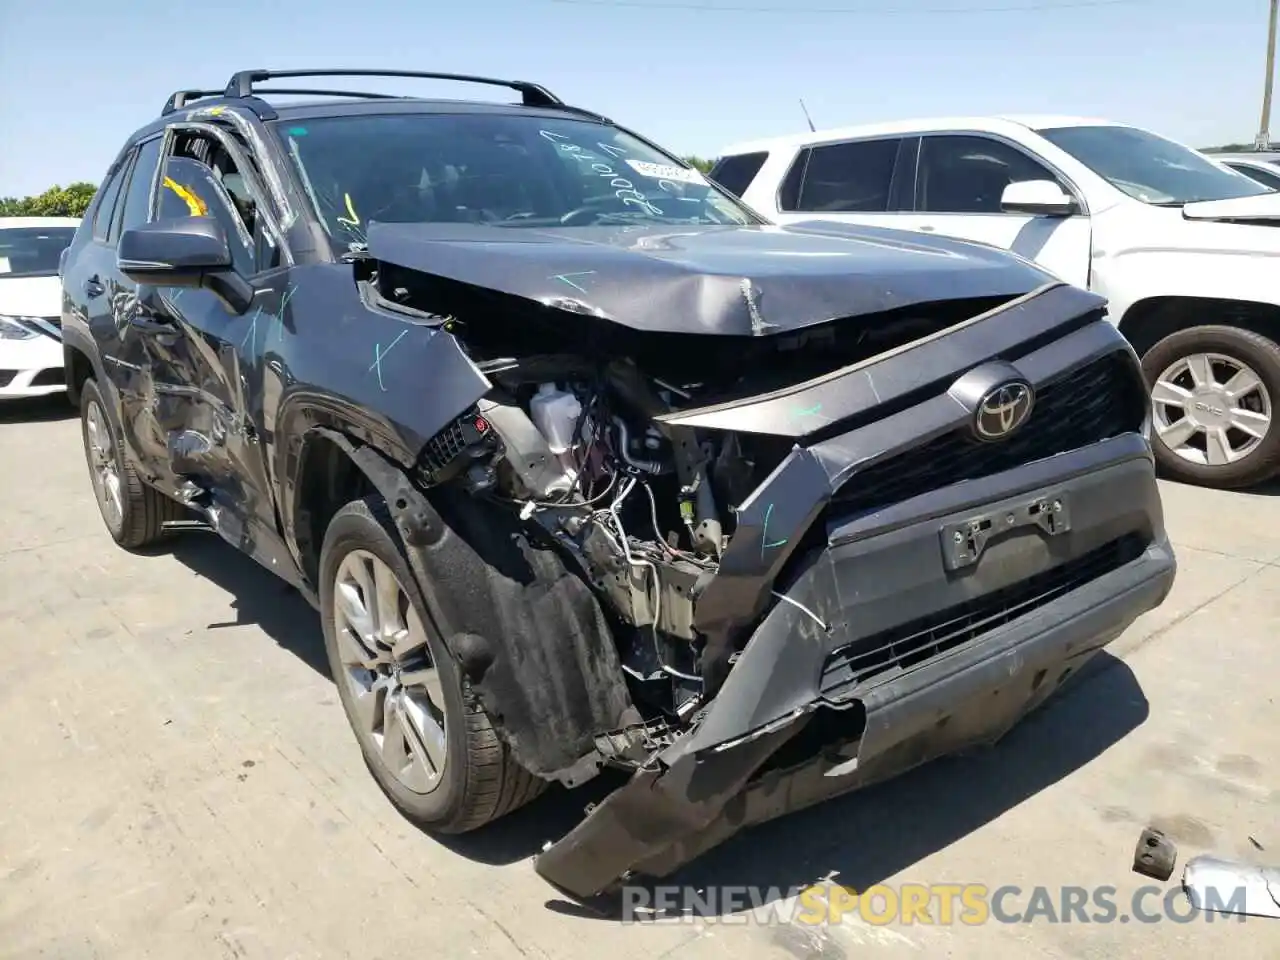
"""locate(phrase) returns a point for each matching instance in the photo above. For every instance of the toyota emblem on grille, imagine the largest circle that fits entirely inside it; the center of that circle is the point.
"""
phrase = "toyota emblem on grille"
(1003, 409)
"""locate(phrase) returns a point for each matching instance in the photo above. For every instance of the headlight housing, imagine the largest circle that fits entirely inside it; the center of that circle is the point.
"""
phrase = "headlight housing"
(13, 328)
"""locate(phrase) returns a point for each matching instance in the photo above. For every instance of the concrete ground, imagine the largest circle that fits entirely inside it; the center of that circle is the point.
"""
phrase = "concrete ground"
(177, 778)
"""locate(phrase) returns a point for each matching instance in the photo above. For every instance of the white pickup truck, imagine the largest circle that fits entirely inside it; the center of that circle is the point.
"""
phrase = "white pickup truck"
(1186, 249)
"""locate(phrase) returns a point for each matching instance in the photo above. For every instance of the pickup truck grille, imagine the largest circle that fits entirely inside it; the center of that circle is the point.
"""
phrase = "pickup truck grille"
(911, 644)
(1101, 400)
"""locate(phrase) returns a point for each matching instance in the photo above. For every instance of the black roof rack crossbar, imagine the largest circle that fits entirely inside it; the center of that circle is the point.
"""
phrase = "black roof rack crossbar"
(182, 97)
(299, 91)
(533, 95)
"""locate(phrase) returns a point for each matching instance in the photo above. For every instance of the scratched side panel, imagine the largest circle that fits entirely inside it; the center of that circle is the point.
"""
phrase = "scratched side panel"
(314, 354)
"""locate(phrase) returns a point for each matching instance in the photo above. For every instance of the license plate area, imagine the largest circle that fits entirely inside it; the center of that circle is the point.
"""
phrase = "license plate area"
(963, 542)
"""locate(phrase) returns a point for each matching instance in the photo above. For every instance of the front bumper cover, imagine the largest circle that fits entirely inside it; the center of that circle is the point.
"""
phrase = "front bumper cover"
(708, 785)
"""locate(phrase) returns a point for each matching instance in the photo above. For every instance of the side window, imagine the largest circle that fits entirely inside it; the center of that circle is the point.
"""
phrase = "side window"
(1271, 180)
(848, 177)
(191, 189)
(201, 179)
(736, 172)
(967, 174)
(108, 193)
(789, 192)
(137, 199)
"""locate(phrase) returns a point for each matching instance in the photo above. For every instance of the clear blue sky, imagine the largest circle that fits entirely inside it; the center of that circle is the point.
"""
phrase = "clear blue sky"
(79, 75)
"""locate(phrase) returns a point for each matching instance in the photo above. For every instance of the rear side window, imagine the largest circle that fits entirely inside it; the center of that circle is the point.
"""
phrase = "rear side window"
(845, 178)
(736, 172)
(137, 199)
(106, 205)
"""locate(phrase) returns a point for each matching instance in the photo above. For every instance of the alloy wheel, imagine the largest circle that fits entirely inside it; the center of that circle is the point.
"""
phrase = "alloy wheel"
(103, 468)
(399, 705)
(1210, 409)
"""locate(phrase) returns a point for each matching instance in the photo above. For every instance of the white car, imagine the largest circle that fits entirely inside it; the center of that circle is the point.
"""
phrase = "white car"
(1263, 167)
(1186, 250)
(31, 304)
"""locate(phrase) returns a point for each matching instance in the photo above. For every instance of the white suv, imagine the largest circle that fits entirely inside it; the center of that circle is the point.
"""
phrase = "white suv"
(1186, 250)
(31, 304)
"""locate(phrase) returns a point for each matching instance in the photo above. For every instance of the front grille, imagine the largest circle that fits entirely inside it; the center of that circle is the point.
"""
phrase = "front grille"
(6, 377)
(55, 376)
(1102, 399)
(914, 643)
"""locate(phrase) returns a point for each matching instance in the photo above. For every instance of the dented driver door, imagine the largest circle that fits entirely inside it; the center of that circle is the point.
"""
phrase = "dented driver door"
(201, 421)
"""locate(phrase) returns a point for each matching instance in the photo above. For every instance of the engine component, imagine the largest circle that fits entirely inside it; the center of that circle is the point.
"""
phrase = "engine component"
(527, 450)
(654, 467)
(555, 413)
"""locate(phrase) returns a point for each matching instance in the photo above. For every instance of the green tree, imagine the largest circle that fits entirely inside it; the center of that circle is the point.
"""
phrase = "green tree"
(699, 163)
(69, 201)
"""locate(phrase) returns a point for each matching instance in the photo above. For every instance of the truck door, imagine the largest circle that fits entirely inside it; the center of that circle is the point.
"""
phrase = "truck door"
(959, 182)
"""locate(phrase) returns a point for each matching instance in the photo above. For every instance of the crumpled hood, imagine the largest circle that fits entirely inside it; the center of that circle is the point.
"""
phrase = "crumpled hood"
(1264, 206)
(752, 280)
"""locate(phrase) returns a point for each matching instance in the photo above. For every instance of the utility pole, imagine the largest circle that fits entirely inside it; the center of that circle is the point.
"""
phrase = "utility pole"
(1264, 131)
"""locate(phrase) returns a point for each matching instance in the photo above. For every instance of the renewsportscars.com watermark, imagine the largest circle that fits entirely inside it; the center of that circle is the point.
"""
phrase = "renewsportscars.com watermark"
(935, 904)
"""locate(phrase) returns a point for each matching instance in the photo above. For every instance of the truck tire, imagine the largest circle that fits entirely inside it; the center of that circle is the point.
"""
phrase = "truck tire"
(133, 511)
(424, 735)
(1214, 391)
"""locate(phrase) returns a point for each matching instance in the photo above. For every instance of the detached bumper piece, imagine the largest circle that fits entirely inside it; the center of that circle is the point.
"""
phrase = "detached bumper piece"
(1226, 886)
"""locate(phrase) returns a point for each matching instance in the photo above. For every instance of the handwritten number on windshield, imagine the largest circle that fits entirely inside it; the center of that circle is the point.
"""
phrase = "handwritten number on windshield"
(623, 188)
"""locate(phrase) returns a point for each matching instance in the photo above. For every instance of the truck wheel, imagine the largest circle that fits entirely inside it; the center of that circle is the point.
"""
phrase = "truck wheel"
(133, 511)
(424, 736)
(1213, 396)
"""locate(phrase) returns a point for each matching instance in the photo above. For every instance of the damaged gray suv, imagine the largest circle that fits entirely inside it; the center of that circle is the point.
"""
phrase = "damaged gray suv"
(587, 466)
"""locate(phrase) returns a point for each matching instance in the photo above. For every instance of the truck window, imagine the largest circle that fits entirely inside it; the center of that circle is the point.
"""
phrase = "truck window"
(846, 178)
(968, 174)
(736, 172)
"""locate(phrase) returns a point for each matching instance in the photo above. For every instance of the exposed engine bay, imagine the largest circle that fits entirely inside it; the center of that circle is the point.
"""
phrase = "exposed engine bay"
(577, 447)
(645, 511)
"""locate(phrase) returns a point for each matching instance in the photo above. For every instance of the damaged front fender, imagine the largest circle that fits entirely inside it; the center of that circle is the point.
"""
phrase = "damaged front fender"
(529, 635)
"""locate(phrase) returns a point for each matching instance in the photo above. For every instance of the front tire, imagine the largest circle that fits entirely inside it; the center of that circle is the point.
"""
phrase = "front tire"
(424, 736)
(1213, 396)
(133, 511)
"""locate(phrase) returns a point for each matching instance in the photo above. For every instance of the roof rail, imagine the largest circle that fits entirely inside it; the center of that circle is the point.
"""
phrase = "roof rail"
(241, 84)
(308, 92)
(184, 98)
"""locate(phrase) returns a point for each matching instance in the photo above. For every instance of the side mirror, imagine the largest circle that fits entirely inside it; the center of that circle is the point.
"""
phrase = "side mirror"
(180, 252)
(184, 252)
(1038, 198)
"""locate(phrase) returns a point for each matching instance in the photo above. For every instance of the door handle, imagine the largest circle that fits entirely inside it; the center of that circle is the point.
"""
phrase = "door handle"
(927, 228)
(93, 286)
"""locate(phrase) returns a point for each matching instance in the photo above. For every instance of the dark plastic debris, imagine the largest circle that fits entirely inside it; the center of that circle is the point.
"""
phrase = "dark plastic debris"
(1155, 855)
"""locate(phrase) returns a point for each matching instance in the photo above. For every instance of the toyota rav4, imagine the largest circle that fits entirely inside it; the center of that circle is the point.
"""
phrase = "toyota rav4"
(585, 466)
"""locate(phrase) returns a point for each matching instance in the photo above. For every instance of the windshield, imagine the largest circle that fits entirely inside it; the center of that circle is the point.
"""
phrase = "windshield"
(32, 251)
(500, 169)
(1151, 168)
